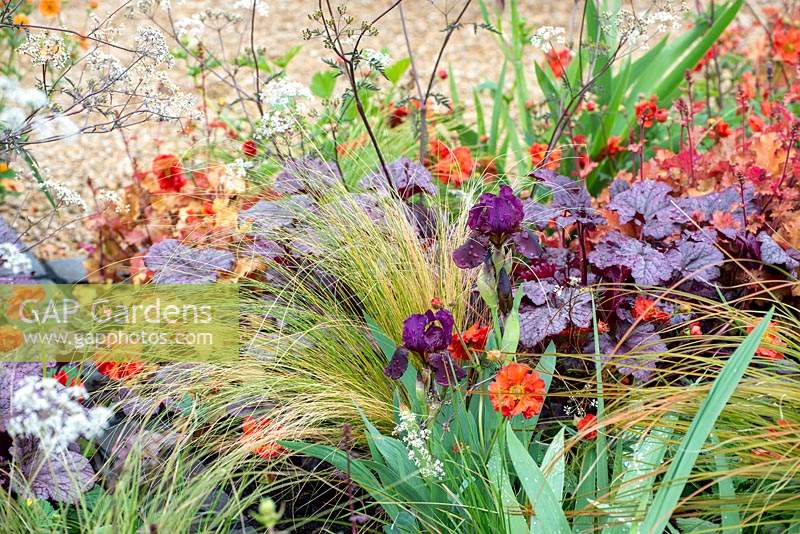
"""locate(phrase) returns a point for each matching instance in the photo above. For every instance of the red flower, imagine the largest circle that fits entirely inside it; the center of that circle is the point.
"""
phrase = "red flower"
(397, 114)
(537, 152)
(454, 166)
(613, 146)
(169, 172)
(647, 111)
(721, 130)
(65, 380)
(645, 310)
(756, 123)
(473, 337)
(442, 74)
(253, 432)
(589, 421)
(517, 389)
(120, 370)
(558, 60)
(787, 43)
(250, 148)
(771, 339)
(695, 329)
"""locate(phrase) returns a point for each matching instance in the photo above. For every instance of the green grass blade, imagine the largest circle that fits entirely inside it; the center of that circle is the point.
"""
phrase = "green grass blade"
(668, 495)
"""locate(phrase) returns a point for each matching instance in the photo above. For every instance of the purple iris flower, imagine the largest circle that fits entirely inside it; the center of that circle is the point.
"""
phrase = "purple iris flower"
(427, 334)
(494, 220)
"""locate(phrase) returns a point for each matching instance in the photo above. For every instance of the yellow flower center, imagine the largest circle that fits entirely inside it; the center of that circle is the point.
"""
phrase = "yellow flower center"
(517, 391)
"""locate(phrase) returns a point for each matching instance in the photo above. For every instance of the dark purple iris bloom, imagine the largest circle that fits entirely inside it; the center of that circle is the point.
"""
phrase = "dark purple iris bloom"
(494, 220)
(428, 334)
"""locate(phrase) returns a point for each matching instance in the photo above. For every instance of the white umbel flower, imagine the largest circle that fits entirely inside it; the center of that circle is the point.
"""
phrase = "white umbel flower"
(13, 259)
(44, 409)
(416, 440)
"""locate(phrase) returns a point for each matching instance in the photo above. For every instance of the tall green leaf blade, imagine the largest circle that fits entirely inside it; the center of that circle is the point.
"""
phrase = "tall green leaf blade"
(499, 478)
(549, 514)
(680, 468)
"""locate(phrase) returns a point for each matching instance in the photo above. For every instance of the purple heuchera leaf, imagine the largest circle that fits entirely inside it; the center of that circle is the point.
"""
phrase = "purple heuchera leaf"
(648, 266)
(305, 175)
(650, 204)
(632, 357)
(555, 308)
(174, 263)
(268, 215)
(729, 200)
(398, 364)
(700, 259)
(428, 332)
(773, 254)
(571, 202)
(447, 372)
(408, 177)
(62, 477)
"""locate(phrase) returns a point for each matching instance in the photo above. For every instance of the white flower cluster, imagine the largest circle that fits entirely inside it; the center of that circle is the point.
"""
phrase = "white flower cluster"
(110, 198)
(636, 29)
(547, 37)
(235, 173)
(377, 60)
(54, 127)
(218, 18)
(416, 441)
(163, 98)
(15, 99)
(286, 104)
(46, 49)
(12, 258)
(44, 409)
(190, 30)
(114, 73)
(150, 43)
(262, 8)
(64, 195)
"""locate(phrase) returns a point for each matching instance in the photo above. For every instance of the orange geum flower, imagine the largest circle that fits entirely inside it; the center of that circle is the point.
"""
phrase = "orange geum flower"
(772, 339)
(517, 389)
(538, 151)
(21, 19)
(10, 338)
(20, 296)
(645, 309)
(50, 8)
(589, 421)
(253, 433)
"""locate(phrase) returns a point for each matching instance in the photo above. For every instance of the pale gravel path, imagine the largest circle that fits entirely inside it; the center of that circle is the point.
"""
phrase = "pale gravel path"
(474, 57)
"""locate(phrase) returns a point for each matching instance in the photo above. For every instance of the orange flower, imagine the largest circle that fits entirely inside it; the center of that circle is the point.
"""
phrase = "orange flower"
(645, 310)
(517, 389)
(473, 337)
(613, 146)
(10, 338)
(455, 165)
(538, 151)
(120, 370)
(50, 8)
(769, 338)
(695, 329)
(588, 421)
(21, 19)
(253, 432)
(19, 297)
(558, 60)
